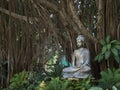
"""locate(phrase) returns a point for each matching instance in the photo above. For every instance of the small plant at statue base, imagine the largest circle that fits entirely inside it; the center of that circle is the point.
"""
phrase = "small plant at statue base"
(82, 84)
(57, 84)
(109, 48)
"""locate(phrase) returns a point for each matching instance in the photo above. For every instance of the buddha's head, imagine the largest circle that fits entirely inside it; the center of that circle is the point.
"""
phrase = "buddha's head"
(80, 40)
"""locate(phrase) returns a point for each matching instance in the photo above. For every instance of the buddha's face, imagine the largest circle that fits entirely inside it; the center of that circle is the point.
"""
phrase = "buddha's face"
(79, 43)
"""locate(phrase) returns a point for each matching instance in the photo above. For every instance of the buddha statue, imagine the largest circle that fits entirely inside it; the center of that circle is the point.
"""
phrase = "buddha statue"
(80, 67)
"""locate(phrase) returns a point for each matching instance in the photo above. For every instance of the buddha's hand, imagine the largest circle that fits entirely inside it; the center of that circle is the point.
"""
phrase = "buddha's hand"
(73, 66)
(82, 66)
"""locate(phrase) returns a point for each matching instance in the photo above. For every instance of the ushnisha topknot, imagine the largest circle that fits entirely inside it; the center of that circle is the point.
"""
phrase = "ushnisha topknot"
(80, 38)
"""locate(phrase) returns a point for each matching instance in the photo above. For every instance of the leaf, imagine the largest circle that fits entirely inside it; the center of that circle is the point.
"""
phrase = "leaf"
(117, 71)
(108, 39)
(110, 72)
(117, 47)
(104, 49)
(102, 42)
(108, 46)
(96, 58)
(115, 42)
(117, 75)
(107, 55)
(114, 51)
(106, 79)
(117, 58)
(117, 84)
(114, 88)
(103, 75)
(100, 57)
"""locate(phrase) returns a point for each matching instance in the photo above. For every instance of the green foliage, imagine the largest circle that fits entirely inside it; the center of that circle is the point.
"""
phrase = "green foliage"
(53, 59)
(25, 81)
(109, 48)
(18, 81)
(110, 78)
(58, 84)
(53, 68)
(67, 84)
(114, 88)
(56, 71)
(82, 84)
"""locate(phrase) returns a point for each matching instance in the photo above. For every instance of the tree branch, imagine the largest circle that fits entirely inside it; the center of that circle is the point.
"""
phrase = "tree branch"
(79, 23)
(46, 4)
(17, 16)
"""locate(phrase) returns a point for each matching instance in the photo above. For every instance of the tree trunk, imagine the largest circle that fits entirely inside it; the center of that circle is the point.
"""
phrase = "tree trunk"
(108, 24)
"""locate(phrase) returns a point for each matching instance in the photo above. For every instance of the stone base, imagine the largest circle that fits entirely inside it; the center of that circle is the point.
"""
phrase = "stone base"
(75, 76)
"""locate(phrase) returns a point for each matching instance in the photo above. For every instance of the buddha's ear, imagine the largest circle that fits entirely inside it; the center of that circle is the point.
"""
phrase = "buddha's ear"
(83, 43)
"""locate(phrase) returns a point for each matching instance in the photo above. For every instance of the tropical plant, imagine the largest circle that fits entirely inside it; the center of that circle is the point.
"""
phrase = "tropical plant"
(110, 78)
(56, 71)
(23, 20)
(18, 81)
(109, 48)
(24, 81)
(82, 84)
(58, 84)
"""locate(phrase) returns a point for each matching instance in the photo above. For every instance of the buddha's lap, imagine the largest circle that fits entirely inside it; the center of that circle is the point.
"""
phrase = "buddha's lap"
(74, 69)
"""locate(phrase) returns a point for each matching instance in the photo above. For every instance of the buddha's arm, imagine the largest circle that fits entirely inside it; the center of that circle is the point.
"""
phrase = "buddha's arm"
(73, 60)
(86, 58)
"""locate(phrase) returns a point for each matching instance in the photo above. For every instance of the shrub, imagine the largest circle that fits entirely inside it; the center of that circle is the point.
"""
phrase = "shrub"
(109, 48)
(110, 78)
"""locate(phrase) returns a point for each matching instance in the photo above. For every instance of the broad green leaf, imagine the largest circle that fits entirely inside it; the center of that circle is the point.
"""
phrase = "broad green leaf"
(110, 73)
(96, 58)
(118, 84)
(108, 39)
(103, 74)
(117, 47)
(117, 71)
(107, 55)
(104, 49)
(100, 57)
(114, 51)
(102, 42)
(117, 58)
(114, 88)
(109, 46)
(115, 42)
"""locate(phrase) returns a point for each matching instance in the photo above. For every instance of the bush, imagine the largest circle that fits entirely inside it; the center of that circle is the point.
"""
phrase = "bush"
(25, 81)
(110, 78)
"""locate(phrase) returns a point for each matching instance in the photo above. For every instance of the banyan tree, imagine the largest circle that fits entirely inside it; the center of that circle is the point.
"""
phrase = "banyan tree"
(31, 31)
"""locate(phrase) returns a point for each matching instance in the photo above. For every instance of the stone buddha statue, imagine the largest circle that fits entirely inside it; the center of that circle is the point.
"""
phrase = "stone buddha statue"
(80, 61)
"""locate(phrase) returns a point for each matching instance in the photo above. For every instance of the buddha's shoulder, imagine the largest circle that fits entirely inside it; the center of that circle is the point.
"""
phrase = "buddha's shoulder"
(85, 49)
(82, 50)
